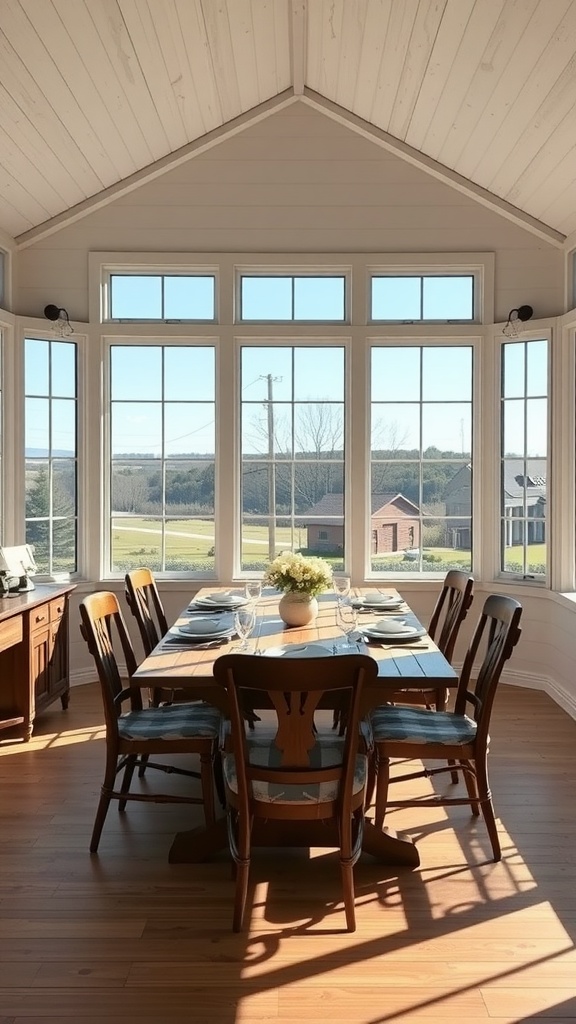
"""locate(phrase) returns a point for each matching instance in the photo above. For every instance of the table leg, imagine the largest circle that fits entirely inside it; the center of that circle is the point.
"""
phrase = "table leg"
(200, 844)
(389, 846)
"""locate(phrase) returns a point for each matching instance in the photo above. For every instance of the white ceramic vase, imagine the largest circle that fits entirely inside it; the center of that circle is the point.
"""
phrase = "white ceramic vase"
(297, 609)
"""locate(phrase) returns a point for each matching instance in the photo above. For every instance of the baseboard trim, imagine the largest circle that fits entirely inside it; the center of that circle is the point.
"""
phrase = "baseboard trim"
(562, 697)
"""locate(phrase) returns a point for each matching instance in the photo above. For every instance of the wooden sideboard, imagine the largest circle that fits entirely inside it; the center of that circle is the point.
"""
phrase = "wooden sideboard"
(33, 656)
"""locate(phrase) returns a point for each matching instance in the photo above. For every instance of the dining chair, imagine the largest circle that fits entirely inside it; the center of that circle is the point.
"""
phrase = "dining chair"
(289, 769)
(134, 732)
(419, 733)
(450, 610)
(145, 603)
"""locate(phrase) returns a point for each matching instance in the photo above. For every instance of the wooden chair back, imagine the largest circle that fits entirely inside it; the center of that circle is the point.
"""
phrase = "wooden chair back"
(102, 624)
(292, 773)
(294, 690)
(450, 610)
(496, 635)
(146, 606)
(426, 735)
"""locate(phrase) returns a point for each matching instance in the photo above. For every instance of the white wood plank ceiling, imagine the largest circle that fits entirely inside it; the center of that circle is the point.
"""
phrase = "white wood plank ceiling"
(94, 91)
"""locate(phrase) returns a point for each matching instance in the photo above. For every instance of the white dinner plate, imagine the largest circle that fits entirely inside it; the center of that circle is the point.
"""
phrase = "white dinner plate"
(378, 601)
(388, 630)
(220, 601)
(298, 651)
(204, 629)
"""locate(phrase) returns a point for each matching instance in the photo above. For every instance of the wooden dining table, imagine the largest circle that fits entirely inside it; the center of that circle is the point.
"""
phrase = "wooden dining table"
(178, 664)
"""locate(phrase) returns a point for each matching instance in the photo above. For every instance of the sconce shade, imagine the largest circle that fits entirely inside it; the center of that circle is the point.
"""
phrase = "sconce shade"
(523, 313)
(51, 312)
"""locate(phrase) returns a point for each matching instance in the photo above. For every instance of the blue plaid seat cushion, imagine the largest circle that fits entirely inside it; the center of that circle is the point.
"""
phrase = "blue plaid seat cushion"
(415, 725)
(267, 754)
(171, 722)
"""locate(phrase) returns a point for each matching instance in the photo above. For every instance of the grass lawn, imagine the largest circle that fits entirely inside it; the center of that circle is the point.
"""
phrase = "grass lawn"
(138, 539)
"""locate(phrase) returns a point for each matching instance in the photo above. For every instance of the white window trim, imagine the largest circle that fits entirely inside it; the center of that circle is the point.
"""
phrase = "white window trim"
(479, 266)
(286, 270)
(108, 342)
(359, 335)
(15, 531)
(384, 340)
(498, 573)
(103, 265)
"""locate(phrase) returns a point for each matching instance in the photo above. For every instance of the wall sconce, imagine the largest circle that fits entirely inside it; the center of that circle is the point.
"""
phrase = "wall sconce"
(516, 317)
(62, 326)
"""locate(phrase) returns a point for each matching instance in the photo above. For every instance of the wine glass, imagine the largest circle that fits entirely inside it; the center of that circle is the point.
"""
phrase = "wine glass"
(341, 585)
(253, 590)
(244, 623)
(346, 620)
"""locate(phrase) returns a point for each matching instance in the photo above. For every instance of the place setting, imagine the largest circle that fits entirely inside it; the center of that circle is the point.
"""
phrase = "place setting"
(204, 632)
(382, 602)
(393, 631)
(222, 601)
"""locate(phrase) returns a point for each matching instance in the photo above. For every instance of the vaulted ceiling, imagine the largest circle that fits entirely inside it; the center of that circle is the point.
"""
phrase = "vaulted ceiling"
(97, 94)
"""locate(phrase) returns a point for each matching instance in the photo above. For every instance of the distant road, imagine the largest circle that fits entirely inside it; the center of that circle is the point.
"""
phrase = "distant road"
(183, 533)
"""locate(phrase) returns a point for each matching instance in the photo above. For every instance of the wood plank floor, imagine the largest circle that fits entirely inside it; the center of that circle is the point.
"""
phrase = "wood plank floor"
(125, 937)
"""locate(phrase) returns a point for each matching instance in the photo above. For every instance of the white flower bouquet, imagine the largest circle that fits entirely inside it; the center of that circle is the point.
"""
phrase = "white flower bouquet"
(296, 574)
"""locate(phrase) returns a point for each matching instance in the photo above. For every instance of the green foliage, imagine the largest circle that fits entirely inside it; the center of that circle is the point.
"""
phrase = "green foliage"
(51, 524)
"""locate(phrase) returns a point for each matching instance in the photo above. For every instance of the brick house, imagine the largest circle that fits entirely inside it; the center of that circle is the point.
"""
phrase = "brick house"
(394, 524)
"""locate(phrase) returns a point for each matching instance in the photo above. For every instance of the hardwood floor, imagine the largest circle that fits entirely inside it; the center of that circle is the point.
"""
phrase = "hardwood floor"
(125, 937)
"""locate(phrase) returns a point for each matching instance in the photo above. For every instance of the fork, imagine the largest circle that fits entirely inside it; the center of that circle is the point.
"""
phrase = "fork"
(410, 646)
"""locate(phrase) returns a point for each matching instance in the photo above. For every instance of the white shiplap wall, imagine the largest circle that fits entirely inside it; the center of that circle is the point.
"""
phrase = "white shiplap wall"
(295, 182)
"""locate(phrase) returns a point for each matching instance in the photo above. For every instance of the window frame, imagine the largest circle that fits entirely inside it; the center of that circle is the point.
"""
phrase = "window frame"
(484, 335)
(107, 270)
(538, 579)
(294, 272)
(137, 341)
(18, 530)
(478, 266)
(295, 341)
(422, 341)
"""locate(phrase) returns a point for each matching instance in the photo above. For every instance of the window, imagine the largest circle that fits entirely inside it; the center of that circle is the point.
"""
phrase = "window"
(285, 297)
(162, 457)
(524, 457)
(161, 297)
(421, 458)
(408, 298)
(51, 417)
(292, 452)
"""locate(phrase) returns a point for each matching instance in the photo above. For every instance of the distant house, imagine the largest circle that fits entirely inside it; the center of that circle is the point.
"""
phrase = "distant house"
(524, 488)
(394, 524)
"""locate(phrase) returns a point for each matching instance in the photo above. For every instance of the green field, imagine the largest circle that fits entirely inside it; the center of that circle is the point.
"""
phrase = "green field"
(139, 540)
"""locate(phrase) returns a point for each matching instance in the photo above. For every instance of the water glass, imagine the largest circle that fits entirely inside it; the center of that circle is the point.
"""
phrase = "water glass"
(253, 589)
(244, 623)
(341, 585)
(346, 620)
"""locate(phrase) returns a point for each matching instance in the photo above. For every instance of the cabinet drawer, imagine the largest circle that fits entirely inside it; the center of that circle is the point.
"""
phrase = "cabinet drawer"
(39, 617)
(10, 632)
(57, 609)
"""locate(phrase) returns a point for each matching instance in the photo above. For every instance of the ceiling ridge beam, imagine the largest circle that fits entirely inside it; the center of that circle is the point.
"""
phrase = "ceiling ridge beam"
(298, 20)
(433, 167)
(157, 169)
